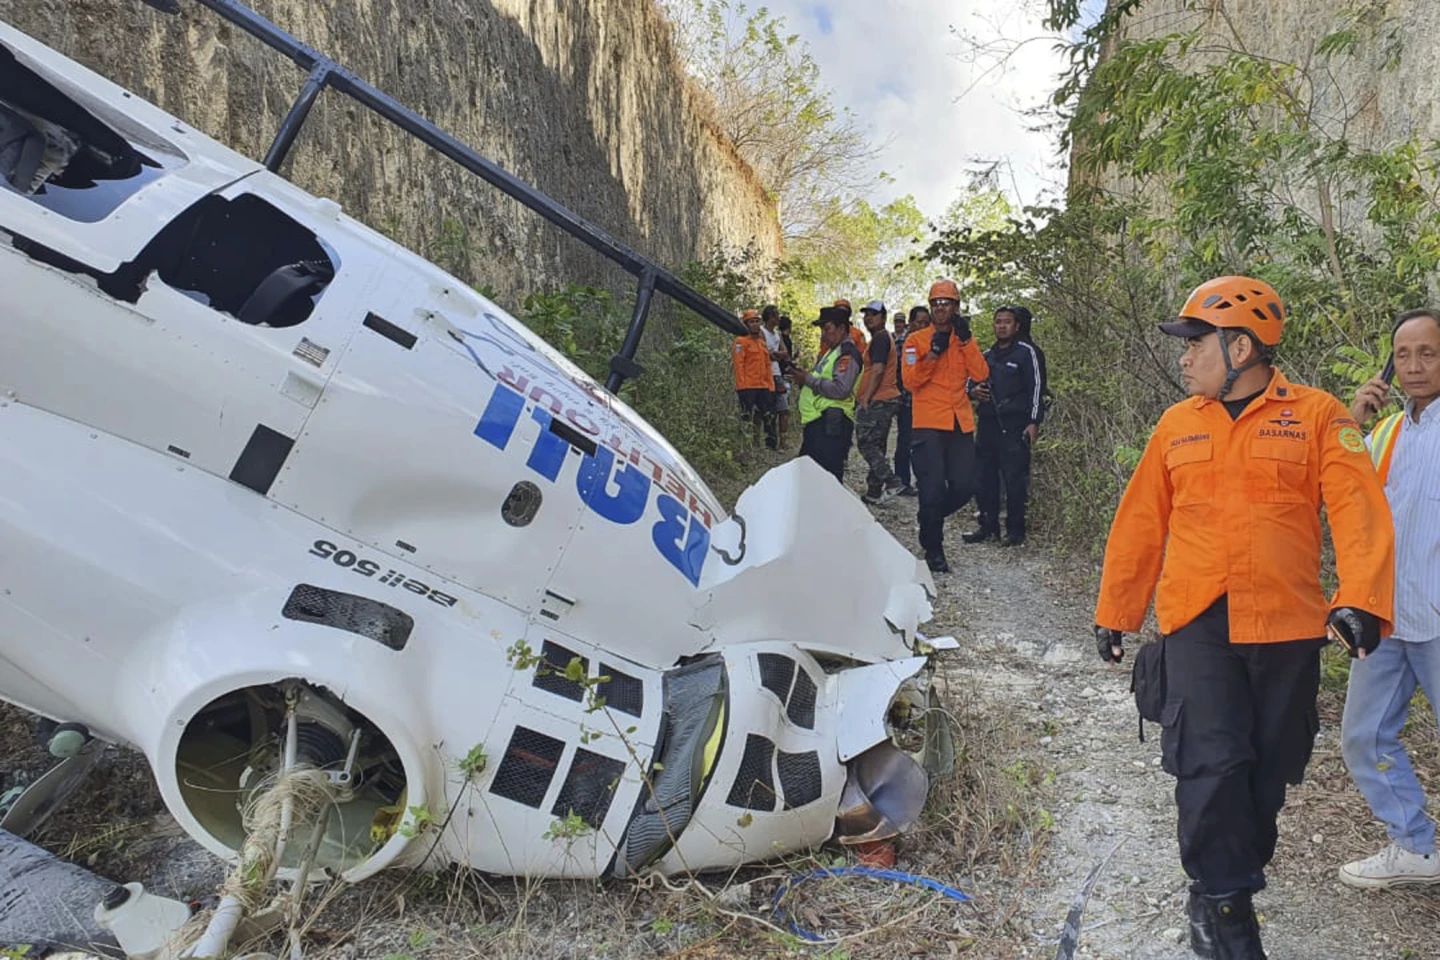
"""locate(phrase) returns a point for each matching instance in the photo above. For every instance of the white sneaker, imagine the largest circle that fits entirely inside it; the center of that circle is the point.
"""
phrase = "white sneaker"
(1392, 867)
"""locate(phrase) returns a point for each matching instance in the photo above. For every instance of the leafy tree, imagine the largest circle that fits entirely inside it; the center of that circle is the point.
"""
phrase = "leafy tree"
(768, 99)
(872, 253)
(1195, 155)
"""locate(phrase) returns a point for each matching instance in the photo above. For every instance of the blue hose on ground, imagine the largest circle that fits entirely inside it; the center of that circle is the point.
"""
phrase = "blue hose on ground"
(870, 872)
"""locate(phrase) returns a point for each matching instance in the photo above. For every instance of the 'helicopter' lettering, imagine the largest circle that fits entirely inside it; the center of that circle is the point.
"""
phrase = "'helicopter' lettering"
(681, 535)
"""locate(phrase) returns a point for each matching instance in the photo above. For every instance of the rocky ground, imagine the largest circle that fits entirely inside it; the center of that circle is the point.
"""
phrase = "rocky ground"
(1053, 779)
(1027, 622)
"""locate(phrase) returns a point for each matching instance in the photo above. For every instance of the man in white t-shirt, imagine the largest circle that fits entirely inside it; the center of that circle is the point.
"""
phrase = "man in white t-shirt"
(770, 330)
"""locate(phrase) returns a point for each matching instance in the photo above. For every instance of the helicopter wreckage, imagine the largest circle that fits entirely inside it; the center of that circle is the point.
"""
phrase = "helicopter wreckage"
(277, 494)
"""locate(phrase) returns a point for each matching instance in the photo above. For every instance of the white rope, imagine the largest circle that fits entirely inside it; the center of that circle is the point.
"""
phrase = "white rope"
(300, 794)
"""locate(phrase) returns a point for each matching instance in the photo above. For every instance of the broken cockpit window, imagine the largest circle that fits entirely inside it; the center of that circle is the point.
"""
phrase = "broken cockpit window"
(241, 256)
(61, 156)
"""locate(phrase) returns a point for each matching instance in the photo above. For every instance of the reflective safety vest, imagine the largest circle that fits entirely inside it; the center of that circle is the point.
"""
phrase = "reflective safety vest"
(812, 404)
(1382, 443)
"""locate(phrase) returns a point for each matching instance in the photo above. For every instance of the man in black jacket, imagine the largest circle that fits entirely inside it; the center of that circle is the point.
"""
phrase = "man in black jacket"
(1026, 320)
(1008, 419)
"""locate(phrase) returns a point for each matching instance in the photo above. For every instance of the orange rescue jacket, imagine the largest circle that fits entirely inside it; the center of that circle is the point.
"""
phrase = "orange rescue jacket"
(751, 360)
(938, 396)
(1233, 508)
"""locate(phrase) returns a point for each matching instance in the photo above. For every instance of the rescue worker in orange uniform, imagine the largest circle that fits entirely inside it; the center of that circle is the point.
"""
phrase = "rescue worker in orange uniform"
(1223, 511)
(754, 385)
(938, 363)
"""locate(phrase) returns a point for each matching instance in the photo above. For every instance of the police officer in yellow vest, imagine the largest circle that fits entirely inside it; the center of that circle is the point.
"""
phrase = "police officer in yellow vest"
(827, 394)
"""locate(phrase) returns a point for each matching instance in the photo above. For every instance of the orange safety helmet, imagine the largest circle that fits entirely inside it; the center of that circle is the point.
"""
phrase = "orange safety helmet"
(1231, 303)
(750, 315)
(844, 304)
(944, 290)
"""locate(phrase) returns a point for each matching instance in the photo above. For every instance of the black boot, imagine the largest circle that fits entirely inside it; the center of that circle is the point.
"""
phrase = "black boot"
(1202, 928)
(1237, 931)
(982, 533)
(936, 562)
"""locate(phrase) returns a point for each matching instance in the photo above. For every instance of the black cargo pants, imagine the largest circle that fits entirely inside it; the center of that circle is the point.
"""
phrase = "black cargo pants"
(944, 463)
(1002, 456)
(1239, 724)
(902, 441)
(826, 440)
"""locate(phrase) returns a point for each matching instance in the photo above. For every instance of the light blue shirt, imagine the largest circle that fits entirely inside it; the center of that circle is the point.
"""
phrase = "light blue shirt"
(1413, 489)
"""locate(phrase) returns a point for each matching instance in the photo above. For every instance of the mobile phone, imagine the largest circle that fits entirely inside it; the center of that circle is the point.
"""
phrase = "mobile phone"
(1388, 374)
(1337, 637)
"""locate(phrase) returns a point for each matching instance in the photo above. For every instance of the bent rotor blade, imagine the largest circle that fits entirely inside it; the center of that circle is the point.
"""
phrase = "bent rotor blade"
(44, 796)
(1070, 934)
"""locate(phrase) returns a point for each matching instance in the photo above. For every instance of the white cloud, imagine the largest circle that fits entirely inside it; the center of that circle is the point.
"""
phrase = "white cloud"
(900, 67)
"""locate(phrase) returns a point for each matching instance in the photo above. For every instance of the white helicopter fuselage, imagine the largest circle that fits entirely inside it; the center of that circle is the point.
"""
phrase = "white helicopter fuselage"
(220, 473)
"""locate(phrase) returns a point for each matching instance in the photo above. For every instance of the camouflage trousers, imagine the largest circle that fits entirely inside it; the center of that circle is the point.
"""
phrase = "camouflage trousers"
(872, 436)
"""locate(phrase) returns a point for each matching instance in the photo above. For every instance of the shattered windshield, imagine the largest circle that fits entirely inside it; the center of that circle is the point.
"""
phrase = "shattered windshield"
(60, 155)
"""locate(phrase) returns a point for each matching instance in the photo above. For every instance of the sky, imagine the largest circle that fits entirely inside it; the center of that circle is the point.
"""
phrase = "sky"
(905, 69)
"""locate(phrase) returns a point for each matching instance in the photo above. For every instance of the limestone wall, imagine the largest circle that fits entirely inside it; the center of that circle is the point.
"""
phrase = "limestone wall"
(582, 98)
(1368, 100)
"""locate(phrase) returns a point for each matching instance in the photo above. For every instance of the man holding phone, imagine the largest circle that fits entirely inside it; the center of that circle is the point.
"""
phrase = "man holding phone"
(827, 394)
(1405, 448)
(938, 364)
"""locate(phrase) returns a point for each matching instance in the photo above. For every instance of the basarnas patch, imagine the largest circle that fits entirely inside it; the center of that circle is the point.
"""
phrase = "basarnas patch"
(1351, 439)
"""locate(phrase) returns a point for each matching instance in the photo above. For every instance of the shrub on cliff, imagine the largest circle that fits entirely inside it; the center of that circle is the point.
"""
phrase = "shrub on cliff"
(687, 391)
(1196, 156)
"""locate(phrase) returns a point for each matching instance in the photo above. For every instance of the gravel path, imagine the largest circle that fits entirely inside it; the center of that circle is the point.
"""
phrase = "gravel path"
(1026, 639)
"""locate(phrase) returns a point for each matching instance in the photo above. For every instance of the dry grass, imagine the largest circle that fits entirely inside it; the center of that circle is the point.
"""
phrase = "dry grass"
(984, 831)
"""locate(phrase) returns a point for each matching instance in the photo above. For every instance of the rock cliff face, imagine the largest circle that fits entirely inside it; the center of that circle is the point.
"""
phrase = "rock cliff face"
(1383, 92)
(582, 98)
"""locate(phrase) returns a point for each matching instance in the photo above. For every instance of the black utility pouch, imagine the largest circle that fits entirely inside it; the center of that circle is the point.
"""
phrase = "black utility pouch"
(834, 422)
(1147, 682)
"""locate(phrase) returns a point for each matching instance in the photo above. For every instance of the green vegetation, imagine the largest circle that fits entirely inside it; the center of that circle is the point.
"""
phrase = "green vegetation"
(687, 392)
(817, 161)
(421, 820)
(767, 97)
(1193, 158)
(474, 762)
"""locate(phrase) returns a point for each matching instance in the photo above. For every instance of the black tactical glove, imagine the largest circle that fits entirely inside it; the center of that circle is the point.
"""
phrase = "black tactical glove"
(1356, 629)
(939, 342)
(1105, 640)
(962, 328)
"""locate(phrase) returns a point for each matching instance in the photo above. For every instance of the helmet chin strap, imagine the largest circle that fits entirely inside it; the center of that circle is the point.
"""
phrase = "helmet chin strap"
(1232, 372)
